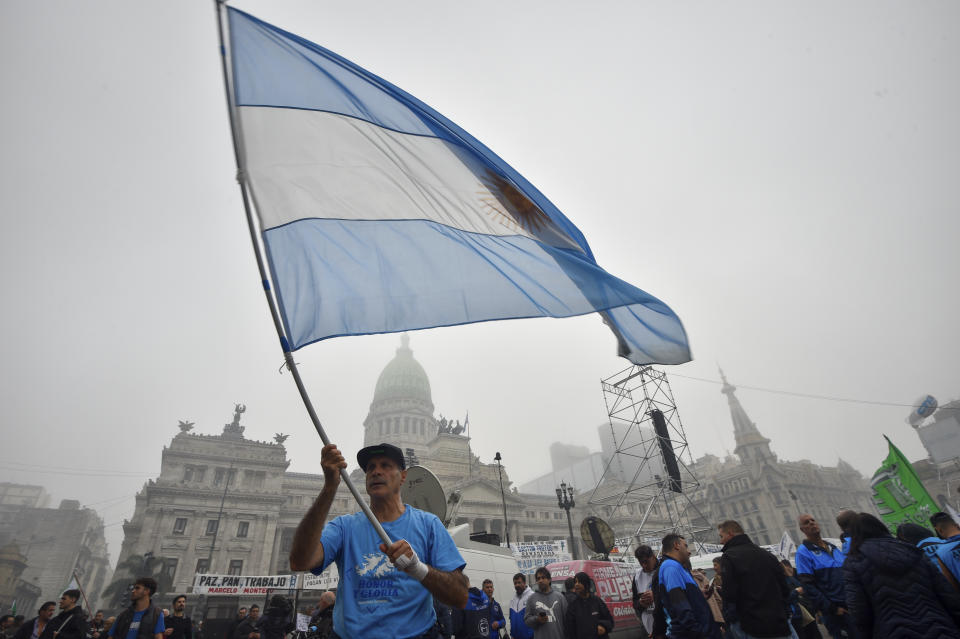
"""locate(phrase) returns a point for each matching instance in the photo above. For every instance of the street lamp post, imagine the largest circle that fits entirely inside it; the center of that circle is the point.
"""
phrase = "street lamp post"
(565, 501)
(204, 603)
(506, 524)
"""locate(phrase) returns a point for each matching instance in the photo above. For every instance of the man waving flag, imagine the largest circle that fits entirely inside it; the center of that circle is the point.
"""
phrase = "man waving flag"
(378, 214)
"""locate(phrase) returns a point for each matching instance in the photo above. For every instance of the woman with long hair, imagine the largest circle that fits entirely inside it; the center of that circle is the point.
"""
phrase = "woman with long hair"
(892, 590)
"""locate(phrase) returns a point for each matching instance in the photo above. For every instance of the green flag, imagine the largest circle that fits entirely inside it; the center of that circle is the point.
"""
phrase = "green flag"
(898, 492)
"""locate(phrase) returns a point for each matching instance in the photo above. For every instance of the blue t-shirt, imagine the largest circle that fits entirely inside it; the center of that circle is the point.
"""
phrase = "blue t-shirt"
(135, 625)
(373, 594)
(949, 553)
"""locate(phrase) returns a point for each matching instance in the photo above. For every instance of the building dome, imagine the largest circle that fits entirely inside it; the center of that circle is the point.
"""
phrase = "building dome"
(403, 378)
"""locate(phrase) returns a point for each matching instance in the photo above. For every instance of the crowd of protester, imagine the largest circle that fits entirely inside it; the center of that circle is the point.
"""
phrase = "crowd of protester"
(875, 585)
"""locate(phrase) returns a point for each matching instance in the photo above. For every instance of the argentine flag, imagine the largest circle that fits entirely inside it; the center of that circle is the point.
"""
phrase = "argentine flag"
(379, 215)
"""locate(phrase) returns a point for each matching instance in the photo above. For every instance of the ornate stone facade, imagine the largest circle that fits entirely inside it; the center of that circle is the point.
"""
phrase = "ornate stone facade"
(765, 494)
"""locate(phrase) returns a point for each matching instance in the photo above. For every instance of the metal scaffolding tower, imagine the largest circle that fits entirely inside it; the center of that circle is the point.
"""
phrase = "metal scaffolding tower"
(639, 467)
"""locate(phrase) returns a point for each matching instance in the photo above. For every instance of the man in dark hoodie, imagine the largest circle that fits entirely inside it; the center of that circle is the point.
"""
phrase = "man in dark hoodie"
(756, 599)
(687, 613)
(473, 622)
(71, 623)
(587, 616)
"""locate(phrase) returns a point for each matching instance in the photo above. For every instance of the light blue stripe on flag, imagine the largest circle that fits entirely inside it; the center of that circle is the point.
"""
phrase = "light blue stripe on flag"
(380, 215)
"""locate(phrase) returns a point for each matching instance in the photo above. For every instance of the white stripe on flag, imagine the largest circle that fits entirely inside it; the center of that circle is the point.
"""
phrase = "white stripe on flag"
(345, 168)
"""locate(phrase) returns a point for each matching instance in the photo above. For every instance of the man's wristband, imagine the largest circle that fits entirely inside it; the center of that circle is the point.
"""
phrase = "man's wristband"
(412, 566)
(418, 571)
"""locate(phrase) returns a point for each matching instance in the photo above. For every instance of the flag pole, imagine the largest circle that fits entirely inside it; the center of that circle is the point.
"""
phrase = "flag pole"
(240, 158)
(82, 593)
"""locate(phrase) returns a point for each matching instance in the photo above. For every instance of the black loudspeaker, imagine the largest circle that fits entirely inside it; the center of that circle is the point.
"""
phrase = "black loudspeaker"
(484, 537)
(666, 449)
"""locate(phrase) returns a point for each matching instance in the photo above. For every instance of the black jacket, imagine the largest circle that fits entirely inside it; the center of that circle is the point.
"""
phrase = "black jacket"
(895, 592)
(275, 622)
(243, 629)
(584, 615)
(71, 624)
(755, 591)
(659, 616)
(473, 622)
(182, 627)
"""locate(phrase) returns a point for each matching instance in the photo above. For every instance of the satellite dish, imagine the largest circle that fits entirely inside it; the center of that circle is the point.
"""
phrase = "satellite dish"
(597, 535)
(423, 490)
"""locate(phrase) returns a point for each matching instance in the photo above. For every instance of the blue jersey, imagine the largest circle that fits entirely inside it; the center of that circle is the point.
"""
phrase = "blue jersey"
(949, 553)
(684, 605)
(373, 594)
(826, 569)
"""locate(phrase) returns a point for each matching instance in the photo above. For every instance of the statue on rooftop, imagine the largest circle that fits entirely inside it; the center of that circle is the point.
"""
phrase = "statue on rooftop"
(234, 429)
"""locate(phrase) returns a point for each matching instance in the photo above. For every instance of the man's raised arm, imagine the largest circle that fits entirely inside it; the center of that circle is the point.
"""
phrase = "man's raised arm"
(306, 551)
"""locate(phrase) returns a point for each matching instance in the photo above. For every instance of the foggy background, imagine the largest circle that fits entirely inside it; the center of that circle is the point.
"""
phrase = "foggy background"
(784, 176)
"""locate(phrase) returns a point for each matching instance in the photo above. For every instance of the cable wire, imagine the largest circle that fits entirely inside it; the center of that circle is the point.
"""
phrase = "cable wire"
(808, 395)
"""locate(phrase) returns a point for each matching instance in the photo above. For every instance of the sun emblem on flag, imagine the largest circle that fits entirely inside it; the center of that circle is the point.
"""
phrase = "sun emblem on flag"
(509, 206)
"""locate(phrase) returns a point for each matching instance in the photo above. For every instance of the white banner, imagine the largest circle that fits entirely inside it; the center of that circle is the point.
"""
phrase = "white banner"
(787, 548)
(242, 584)
(531, 555)
(326, 580)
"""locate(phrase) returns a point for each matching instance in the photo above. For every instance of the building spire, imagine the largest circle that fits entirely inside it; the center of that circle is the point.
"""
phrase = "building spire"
(744, 431)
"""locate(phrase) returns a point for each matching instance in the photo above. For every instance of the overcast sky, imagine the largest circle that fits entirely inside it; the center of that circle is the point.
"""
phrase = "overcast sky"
(783, 175)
